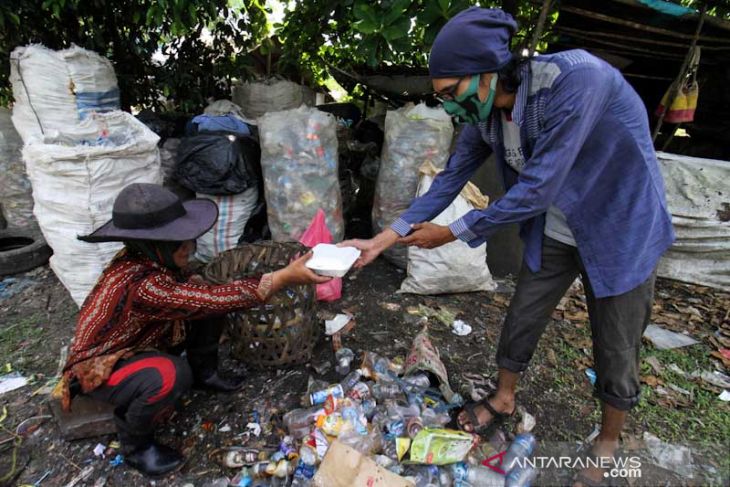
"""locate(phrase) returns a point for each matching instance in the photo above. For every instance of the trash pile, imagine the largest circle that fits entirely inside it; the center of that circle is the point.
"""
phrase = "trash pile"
(385, 419)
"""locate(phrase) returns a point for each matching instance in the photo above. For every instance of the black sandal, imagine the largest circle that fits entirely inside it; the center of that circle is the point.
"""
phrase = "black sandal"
(487, 428)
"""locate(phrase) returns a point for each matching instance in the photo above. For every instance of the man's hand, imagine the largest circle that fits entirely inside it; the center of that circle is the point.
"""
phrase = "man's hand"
(370, 249)
(428, 236)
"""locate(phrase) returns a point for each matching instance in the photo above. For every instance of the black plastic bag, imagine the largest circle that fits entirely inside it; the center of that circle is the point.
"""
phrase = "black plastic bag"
(218, 164)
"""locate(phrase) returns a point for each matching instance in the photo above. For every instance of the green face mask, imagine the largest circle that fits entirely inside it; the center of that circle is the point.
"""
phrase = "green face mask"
(467, 108)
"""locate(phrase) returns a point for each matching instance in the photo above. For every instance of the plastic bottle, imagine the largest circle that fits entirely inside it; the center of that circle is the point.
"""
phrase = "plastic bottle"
(303, 475)
(344, 358)
(359, 391)
(475, 476)
(298, 422)
(445, 478)
(396, 411)
(386, 391)
(369, 407)
(521, 476)
(522, 447)
(351, 379)
(417, 383)
(432, 419)
(308, 454)
(319, 397)
(389, 449)
(413, 426)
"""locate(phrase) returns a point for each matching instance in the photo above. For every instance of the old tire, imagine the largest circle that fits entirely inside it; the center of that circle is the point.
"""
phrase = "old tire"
(22, 250)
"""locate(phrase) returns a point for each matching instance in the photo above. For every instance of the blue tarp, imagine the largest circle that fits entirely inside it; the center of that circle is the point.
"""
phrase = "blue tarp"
(205, 124)
(669, 8)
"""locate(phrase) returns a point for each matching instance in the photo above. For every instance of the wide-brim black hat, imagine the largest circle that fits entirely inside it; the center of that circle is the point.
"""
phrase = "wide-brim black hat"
(151, 212)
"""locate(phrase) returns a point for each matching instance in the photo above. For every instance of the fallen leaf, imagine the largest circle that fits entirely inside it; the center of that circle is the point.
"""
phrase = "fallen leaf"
(655, 365)
(651, 380)
(551, 357)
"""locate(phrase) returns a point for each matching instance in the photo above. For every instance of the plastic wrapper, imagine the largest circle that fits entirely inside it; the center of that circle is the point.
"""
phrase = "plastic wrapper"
(299, 162)
(414, 134)
(440, 446)
(425, 357)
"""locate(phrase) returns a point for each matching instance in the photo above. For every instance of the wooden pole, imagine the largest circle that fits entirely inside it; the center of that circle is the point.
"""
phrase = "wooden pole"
(655, 52)
(639, 39)
(676, 86)
(638, 26)
(539, 27)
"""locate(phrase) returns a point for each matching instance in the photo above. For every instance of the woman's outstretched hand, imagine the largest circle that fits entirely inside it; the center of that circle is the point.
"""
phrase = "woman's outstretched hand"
(298, 273)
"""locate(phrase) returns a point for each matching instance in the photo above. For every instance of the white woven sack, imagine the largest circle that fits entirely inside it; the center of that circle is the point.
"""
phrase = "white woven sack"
(74, 187)
(54, 90)
(451, 268)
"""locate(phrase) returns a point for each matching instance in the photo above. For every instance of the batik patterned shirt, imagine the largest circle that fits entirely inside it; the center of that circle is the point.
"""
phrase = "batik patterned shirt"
(139, 305)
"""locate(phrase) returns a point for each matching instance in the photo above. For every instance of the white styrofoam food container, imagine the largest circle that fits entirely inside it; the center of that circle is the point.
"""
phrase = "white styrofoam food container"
(333, 261)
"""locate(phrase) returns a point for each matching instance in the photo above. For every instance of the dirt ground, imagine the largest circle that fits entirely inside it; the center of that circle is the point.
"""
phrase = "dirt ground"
(678, 408)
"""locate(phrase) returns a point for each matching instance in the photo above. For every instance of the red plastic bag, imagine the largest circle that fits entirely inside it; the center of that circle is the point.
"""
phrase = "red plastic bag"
(318, 233)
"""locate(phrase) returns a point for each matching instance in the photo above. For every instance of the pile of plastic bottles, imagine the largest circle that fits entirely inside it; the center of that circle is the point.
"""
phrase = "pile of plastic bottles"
(299, 163)
(414, 134)
(398, 421)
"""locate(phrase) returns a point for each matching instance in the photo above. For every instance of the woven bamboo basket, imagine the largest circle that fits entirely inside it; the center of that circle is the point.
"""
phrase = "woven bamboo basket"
(281, 332)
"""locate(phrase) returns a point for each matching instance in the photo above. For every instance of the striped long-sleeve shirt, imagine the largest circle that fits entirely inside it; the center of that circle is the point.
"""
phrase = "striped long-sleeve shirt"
(585, 135)
(138, 305)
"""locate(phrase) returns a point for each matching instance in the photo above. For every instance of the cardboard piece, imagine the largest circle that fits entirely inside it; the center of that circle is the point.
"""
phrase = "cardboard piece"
(344, 467)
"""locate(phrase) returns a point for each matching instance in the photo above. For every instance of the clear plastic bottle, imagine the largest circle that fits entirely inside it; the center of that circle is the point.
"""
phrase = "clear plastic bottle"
(522, 447)
(303, 475)
(386, 391)
(343, 359)
(351, 379)
(432, 419)
(445, 478)
(521, 476)
(475, 476)
(396, 411)
(298, 422)
(417, 383)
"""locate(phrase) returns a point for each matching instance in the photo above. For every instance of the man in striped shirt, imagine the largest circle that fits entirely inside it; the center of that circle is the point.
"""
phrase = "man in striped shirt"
(571, 141)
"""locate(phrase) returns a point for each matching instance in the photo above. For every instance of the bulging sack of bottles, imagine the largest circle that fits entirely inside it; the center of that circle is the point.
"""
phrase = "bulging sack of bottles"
(299, 163)
(454, 267)
(414, 135)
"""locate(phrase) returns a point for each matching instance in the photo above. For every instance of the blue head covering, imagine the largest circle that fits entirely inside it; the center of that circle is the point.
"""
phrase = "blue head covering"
(476, 40)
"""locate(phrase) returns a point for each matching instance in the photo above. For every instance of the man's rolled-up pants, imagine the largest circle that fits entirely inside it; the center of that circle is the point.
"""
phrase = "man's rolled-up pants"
(617, 322)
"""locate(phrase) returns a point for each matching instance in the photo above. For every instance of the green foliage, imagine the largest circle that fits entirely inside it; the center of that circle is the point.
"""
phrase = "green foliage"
(364, 32)
(377, 33)
(203, 43)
